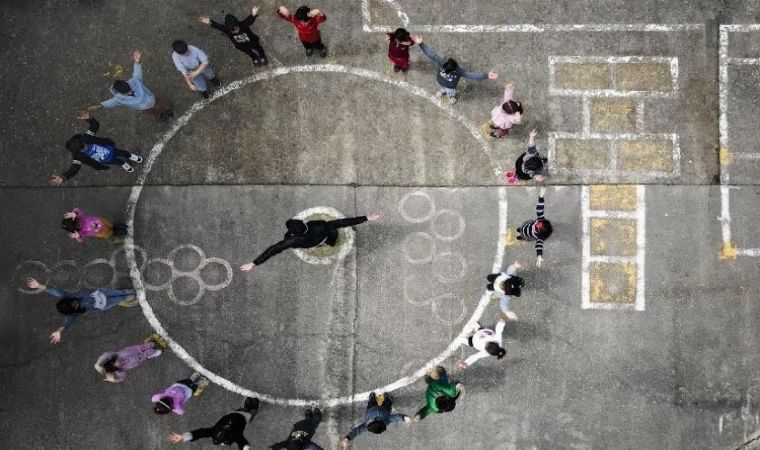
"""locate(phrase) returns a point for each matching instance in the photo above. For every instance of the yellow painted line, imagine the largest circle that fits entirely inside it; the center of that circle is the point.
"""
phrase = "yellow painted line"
(620, 197)
(728, 251)
(725, 156)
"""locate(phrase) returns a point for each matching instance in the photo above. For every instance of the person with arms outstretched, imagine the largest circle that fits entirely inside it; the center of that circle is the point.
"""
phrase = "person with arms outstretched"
(376, 418)
(487, 342)
(241, 35)
(506, 285)
(306, 21)
(228, 430)
(307, 235)
(441, 394)
(537, 230)
(302, 432)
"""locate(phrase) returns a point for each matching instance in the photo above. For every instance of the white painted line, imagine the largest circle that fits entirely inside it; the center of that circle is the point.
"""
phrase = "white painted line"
(640, 117)
(155, 152)
(613, 149)
(586, 248)
(641, 238)
(725, 213)
(748, 252)
(348, 233)
(609, 93)
(615, 137)
(745, 156)
(738, 28)
(610, 59)
(586, 108)
(744, 61)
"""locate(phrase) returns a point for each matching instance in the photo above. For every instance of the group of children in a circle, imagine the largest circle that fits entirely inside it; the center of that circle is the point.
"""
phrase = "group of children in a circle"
(100, 153)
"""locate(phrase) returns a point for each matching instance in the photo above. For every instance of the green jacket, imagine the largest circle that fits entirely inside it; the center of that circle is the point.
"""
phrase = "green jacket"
(434, 390)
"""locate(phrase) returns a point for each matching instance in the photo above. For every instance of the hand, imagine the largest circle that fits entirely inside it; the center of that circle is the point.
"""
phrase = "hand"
(417, 39)
(74, 235)
(84, 115)
(31, 283)
(462, 365)
(175, 438)
(137, 55)
(542, 191)
(417, 418)
(493, 75)
(255, 11)
(94, 107)
(460, 387)
(387, 37)
(344, 444)
(204, 19)
(247, 266)
(55, 337)
(533, 133)
(56, 180)
(192, 87)
(517, 264)
(314, 12)
(284, 11)
(70, 215)
(510, 315)
(373, 217)
(509, 86)
(539, 261)
(407, 419)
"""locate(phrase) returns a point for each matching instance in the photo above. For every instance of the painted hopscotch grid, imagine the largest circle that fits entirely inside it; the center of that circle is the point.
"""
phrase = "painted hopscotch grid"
(728, 156)
(404, 21)
(629, 268)
(612, 83)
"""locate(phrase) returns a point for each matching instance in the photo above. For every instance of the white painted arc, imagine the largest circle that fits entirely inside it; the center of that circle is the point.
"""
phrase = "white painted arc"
(192, 362)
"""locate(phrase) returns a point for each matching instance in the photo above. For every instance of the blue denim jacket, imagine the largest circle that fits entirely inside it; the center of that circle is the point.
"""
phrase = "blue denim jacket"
(142, 98)
(372, 414)
(92, 300)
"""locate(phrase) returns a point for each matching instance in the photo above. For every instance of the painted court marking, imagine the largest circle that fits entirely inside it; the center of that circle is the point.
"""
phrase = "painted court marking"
(367, 25)
(348, 232)
(158, 148)
(727, 155)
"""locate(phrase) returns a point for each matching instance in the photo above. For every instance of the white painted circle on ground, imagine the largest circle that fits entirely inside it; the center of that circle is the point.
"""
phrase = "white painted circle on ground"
(155, 152)
(447, 237)
(408, 217)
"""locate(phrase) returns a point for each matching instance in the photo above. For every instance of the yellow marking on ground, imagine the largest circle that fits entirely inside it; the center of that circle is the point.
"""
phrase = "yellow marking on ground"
(654, 77)
(613, 237)
(620, 197)
(613, 115)
(485, 130)
(512, 238)
(615, 283)
(583, 154)
(114, 70)
(581, 76)
(646, 155)
(727, 251)
(725, 156)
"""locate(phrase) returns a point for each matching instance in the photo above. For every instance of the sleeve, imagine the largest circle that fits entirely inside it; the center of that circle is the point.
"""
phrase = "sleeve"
(178, 64)
(279, 445)
(218, 26)
(242, 443)
(396, 418)
(137, 71)
(321, 18)
(539, 247)
(202, 56)
(425, 411)
(479, 355)
(78, 211)
(92, 126)
(508, 94)
(99, 363)
(540, 208)
(248, 21)
(110, 103)
(531, 153)
(55, 292)
(511, 271)
(200, 433)
(73, 170)
(431, 54)
(500, 328)
(313, 446)
(356, 432)
(450, 389)
(289, 18)
(475, 75)
(68, 319)
(273, 250)
(347, 222)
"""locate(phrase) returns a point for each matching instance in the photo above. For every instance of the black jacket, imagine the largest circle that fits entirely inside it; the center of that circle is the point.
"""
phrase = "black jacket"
(234, 421)
(316, 233)
(244, 38)
(88, 137)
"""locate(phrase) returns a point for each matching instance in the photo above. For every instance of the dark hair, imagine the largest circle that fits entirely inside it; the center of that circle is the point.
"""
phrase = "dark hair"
(180, 47)
(74, 144)
(445, 403)
(231, 22)
(109, 365)
(376, 426)
(493, 349)
(543, 228)
(512, 107)
(121, 86)
(296, 444)
(513, 286)
(71, 225)
(401, 34)
(449, 66)
(302, 13)
(66, 306)
(533, 164)
(296, 227)
(163, 405)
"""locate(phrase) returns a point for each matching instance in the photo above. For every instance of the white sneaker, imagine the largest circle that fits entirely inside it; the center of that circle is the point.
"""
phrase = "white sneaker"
(127, 168)
(136, 158)
(156, 354)
(439, 94)
(452, 100)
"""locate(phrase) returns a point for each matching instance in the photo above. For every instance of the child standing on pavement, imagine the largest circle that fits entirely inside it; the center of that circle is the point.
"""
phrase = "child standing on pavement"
(398, 49)
(173, 398)
(506, 285)
(114, 365)
(487, 342)
(307, 22)
(449, 72)
(81, 226)
(507, 114)
(537, 230)
(530, 165)
(228, 430)
(441, 394)
(376, 418)
(193, 64)
(302, 432)
(241, 35)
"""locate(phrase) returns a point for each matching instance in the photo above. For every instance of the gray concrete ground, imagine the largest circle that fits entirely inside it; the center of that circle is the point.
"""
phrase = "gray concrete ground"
(680, 373)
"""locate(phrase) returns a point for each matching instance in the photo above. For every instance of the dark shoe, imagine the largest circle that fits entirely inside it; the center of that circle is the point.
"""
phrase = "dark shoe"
(322, 52)
(396, 68)
(251, 404)
(215, 81)
(163, 116)
(257, 62)
(204, 94)
(170, 112)
(309, 51)
(492, 126)
(544, 159)
(494, 135)
(404, 70)
(264, 61)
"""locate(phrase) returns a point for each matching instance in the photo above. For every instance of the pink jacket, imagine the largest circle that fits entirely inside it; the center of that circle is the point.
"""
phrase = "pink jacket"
(91, 226)
(499, 117)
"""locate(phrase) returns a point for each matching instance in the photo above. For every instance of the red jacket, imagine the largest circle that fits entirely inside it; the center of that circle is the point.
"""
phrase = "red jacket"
(398, 49)
(307, 31)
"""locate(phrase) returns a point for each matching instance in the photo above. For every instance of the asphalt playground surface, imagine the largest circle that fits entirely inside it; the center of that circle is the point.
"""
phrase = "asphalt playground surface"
(639, 332)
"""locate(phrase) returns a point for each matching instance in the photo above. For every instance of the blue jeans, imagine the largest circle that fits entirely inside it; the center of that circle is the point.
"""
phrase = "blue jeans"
(200, 80)
(448, 91)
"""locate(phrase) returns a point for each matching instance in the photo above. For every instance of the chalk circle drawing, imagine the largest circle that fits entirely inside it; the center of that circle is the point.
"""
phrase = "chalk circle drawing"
(210, 274)
(180, 122)
(326, 254)
(402, 207)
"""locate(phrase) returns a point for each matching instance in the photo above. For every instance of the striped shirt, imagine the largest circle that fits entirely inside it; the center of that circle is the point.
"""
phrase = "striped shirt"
(528, 229)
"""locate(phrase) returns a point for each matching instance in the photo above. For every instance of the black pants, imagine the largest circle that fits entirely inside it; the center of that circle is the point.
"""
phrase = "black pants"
(254, 50)
(189, 383)
(314, 45)
(119, 157)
